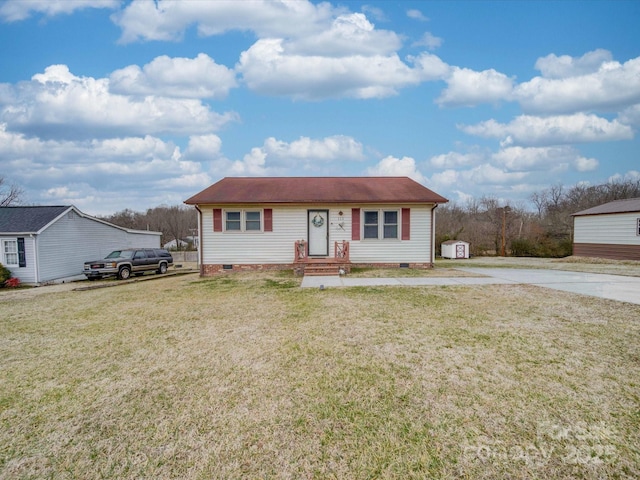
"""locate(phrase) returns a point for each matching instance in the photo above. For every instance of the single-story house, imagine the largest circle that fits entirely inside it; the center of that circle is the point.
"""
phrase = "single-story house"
(299, 222)
(611, 230)
(454, 249)
(51, 243)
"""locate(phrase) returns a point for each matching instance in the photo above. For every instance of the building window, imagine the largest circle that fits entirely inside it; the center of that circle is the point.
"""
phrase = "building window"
(233, 221)
(252, 221)
(370, 224)
(10, 252)
(243, 221)
(390, 224)
(387, 229)
(638, 227)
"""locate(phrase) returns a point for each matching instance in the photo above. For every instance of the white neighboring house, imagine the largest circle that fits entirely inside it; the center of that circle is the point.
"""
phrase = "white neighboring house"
(315, 222)
(611, 230)
(454, 249)
(183, 242)
(51, 243)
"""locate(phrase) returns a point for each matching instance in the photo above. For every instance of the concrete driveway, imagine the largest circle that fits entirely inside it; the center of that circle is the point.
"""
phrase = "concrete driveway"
(613, 287)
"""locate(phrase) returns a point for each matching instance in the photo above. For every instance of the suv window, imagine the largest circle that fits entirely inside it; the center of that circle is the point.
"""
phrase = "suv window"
(150, 253)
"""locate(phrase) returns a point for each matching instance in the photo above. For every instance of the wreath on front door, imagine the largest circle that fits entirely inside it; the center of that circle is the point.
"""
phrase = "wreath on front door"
(317, 221)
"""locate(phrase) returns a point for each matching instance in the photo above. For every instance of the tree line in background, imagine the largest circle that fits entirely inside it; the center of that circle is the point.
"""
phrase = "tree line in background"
(491, 226)
(178, 223)
(498, 228)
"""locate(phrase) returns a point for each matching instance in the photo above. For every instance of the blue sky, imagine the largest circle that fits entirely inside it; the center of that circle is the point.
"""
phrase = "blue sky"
(109, 104)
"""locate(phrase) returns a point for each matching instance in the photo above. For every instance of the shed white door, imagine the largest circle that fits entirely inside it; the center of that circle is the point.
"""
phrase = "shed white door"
(318, 226)
(460, 253)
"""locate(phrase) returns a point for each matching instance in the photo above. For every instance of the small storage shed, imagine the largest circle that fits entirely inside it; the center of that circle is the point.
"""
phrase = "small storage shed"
(42, 244)
(455, 249)
(611, 230)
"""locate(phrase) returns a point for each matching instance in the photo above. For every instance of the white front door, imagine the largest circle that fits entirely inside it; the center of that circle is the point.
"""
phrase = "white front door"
(318, 225)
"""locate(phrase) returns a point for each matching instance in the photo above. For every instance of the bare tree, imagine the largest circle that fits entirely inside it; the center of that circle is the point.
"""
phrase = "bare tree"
(9, 194)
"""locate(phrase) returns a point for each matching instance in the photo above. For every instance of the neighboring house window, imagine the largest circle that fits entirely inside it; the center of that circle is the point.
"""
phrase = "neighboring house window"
(243, 221)
(373, 228)
(10, 252)
(638, 229)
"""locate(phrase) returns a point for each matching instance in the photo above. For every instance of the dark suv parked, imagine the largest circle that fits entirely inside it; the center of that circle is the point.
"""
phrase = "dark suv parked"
(127, 261)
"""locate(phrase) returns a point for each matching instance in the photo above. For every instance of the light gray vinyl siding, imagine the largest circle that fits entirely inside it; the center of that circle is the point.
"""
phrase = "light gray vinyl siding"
(612, 229)
(66, 244)
(290, 224)
(25, 274)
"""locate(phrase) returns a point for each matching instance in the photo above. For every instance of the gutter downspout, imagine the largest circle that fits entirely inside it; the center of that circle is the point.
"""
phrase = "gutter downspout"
(200, 259)
(433, 235)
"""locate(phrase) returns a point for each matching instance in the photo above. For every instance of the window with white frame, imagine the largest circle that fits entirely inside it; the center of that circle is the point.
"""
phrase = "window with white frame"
(385, 229)
(243, 220)
(10, 252)
(390, 226)
(638, 227)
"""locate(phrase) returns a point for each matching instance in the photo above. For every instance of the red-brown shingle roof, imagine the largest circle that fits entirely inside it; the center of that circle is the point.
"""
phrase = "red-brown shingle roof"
(315, 190)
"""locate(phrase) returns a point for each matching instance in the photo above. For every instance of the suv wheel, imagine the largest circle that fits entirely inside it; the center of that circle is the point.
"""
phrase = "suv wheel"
(124, 273)
(163, 268)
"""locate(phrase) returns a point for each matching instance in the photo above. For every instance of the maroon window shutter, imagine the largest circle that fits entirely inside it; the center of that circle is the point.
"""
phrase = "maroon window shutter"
(217, 219)
(355, 224)
(268, 220)
(406, 224)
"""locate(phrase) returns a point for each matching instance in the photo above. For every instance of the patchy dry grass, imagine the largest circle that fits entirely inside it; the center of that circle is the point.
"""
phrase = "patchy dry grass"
(248, 376)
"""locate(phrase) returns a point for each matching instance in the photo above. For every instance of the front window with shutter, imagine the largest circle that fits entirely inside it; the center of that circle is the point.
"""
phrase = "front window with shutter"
(245, 221)
(10, 252)
(381, 224)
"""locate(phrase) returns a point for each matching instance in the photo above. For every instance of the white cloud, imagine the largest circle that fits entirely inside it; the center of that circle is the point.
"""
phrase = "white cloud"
(203, 147)
(107, 175)
(611, 87)
(416, 15)
(277, 157)
(555, 130)
(305, 149)
(348, 35)
(430, 41)
(467, 87)
(565, 66)
(631, 175)
(15, 10)
(200, 77)
(547, 159)
(397, 167)
(455, 159)
(253, 164)
(268, 69)
(631, 115)
(59, 103)
(168, 19)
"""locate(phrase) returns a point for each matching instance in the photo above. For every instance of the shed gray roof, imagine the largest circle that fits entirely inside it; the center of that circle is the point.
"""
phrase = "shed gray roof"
(28, 219)
(618, 206)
